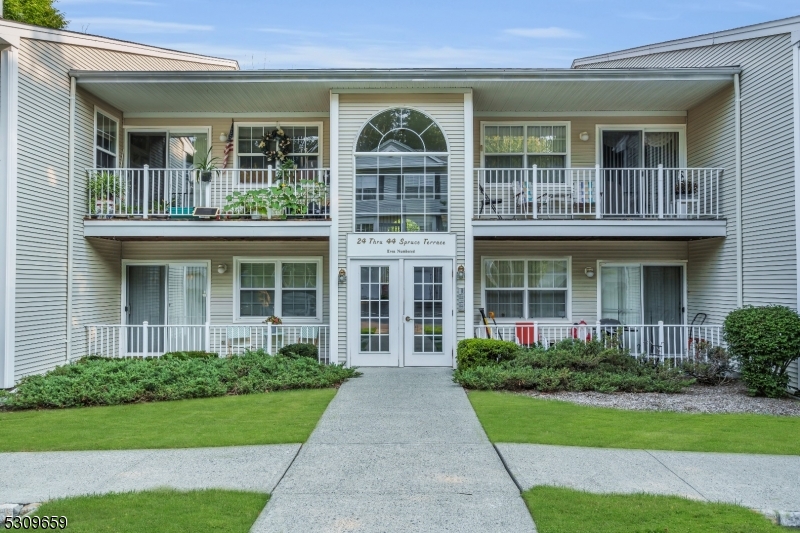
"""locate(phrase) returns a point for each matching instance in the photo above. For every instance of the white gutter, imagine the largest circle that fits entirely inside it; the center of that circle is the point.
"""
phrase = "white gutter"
(796, 90)
(333, 243)
(70, 213)
(738, 134)
(469, 240)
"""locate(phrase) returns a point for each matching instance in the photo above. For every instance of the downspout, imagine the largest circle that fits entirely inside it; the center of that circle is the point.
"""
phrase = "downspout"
(71, 213)
(739, 247)
(796, 90)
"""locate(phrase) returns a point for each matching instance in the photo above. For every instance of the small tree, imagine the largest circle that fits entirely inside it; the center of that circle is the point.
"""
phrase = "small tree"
(38, 12)
(764, 341)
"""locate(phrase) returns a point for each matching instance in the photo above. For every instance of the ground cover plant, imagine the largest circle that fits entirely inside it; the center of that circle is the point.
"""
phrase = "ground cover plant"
(94, 381)
(561, 510)
(165, 511)
(764, 341)
(514, 417)
(273, 418)
(570, 365)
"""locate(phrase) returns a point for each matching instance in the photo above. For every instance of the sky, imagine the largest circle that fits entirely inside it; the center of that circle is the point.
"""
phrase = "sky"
(411, 33)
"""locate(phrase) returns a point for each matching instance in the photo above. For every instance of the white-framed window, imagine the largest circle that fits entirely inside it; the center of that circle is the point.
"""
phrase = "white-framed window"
(527, 288)
(106, 145)
(290, 288)
(641, 146)
(523, 145)
(305, 151)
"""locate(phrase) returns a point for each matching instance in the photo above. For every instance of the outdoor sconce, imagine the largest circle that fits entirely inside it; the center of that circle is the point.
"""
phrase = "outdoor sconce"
(460, 272)
(222, 268)
(223, 137)
(342, 276)
(589, 271)
(584, 136)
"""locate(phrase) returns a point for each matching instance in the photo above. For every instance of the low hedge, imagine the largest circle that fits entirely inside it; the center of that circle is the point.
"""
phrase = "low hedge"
(101, 381)
(300, 349)
(570, 365)
(479, 352)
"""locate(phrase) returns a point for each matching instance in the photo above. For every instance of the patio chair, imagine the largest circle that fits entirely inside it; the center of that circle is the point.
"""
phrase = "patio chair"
(491, 202)
(237, 336)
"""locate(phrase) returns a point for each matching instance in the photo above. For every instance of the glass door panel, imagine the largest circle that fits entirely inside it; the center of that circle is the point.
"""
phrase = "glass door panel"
(428, 313)
(621, 294)
(145, 302)
(622, 177)
(374, 302)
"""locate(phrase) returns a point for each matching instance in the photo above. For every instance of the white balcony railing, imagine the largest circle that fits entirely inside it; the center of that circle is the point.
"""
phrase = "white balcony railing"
(175, 193)
(664, 193)
(652, 341)
(152, 340)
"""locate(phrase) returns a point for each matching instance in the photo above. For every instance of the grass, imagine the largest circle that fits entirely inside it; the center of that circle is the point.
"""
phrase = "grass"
(268, 418)
(508, 417)
(165, 511)
(560, 510)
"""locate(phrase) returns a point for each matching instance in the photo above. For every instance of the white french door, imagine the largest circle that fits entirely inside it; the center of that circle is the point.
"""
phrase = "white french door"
(400, 313)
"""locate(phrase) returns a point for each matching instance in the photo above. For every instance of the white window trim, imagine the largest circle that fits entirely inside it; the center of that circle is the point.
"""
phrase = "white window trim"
(684, 280)
(568, 259)
(168, 130)
(167, 263)
(680, 128)
(238, 260)
(94, 140)
(525, 124)
(282, 124)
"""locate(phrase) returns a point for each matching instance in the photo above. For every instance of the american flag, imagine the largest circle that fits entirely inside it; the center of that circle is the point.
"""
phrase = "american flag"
(228, 148)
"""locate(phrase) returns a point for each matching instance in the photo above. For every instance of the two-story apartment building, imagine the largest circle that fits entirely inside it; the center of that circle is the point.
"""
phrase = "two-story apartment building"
(562, 202)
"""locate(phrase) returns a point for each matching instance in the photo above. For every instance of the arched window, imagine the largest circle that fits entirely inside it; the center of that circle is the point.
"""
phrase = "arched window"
(401, 173)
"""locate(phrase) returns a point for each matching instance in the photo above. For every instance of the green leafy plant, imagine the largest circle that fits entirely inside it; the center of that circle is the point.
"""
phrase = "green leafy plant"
(205, 164)
(284, 170)
(253, 202)
(37, 12)
(479, 352)
(709, 365)
(285, 201)
(763, 341)
(102, 187)
(300, 349)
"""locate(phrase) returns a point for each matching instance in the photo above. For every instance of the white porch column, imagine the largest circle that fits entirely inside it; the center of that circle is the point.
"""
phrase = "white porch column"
(333, 239)
(8, 205)
(469, 241)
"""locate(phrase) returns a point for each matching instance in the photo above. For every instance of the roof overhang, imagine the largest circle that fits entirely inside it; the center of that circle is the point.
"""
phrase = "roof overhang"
(494, 90)
(599, 229)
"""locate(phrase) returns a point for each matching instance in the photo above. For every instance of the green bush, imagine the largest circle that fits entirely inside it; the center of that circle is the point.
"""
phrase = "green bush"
(192, 354)
(479, 352)
(763, 341)
(300, 349)
(100, 381)
(710, 365)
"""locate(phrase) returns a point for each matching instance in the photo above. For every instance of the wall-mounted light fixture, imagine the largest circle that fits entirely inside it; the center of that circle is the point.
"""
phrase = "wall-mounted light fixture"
(584, 136)
(223, 137)
(460, 272)
(222, 268)
(342, 276)
(589, 271)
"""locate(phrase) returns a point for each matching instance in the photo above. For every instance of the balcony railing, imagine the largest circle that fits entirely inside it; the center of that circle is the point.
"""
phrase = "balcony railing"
(659, 193)
(675, 343)
(238, 193)
(147, 340)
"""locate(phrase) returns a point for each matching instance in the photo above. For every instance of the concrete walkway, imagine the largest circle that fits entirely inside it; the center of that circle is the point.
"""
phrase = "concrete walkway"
(41, 476)
(763, 482)
(397, 450)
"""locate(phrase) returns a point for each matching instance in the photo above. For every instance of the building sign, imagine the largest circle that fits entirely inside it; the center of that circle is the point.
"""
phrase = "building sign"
(397, 245)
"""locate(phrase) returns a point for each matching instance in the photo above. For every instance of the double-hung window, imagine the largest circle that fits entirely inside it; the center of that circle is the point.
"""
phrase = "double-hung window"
(525, 145)
(105, 144)
(287, 288)
(304, 152)
(526, 288)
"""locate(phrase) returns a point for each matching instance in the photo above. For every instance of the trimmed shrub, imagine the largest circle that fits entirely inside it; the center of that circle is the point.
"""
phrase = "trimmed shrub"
(710, 365)
(763, 341)
(300, 349)
(480, 352)
(195, 354)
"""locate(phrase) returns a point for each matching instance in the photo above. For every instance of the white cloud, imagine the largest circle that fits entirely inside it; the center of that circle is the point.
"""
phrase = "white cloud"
(552, 32)
(126, 25)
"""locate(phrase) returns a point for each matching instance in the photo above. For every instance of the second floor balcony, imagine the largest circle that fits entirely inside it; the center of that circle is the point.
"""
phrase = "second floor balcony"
(598, 202)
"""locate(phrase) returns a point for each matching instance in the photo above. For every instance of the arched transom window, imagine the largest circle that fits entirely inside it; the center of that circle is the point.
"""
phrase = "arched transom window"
(401, 173)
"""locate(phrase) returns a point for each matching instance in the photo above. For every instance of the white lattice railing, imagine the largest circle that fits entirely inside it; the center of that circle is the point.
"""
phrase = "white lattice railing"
(666, 193)
(653, 341)
(234, 339)
(175, 193)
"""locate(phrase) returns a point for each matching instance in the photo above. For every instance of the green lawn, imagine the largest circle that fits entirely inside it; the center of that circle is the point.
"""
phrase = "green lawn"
(162, 511)
(559, 510)
(269, 418)
(508, 417)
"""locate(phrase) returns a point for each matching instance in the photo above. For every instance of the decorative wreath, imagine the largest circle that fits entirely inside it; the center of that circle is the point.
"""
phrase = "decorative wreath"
(282, 145)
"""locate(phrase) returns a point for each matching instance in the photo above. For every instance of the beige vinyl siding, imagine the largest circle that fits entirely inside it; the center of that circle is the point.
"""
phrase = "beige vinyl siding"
(583, 153)
(223, 252)
(354, 111)
(43, 186)
(584, 254)
(223, 125)
(768, 220)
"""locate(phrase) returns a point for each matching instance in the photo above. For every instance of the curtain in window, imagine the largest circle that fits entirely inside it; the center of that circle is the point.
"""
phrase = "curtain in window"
(621, 293)
(661, 148)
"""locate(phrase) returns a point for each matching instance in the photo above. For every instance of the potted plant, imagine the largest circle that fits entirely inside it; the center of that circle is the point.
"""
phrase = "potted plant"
(273, 320)
(684, 187)
(255, 203)
(286, 203)
(105, 192)
(205, 167)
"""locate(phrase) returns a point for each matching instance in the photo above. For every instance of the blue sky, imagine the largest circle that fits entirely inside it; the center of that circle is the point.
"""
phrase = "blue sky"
(411, 33)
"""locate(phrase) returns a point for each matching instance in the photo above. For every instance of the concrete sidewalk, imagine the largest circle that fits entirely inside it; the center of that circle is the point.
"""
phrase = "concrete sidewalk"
(37, 477)
(397, 450)
(763, 482)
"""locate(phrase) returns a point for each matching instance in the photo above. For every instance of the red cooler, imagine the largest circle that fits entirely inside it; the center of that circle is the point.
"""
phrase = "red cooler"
(525, 333)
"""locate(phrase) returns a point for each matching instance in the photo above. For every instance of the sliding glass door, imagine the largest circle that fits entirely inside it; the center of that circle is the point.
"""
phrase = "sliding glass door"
(642, 294)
